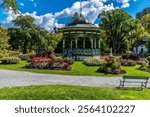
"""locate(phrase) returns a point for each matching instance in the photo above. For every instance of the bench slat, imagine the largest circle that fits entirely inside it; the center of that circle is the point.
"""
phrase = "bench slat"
(134, 79)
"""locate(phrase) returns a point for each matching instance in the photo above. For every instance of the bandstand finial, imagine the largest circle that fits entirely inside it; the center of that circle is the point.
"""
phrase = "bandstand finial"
(80, 8)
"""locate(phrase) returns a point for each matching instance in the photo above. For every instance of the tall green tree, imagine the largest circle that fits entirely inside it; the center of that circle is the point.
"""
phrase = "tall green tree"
(118, 25)
(28, 36)
(22, 35)
(148, 44)
(25, 22)
(146, 22)
(10, 5)
(3, 38)
(137, 33)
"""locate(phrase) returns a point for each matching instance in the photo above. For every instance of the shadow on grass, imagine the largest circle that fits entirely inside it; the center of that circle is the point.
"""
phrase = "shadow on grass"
(131, 88)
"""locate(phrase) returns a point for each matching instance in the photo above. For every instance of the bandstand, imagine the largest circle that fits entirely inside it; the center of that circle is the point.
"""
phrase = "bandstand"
(81, 39)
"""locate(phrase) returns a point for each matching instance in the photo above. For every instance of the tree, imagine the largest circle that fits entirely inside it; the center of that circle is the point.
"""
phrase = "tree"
(146, 22)
(10, 5)
(117, 24)
(25, 22)
(29, 37)
(3, 38)
(148, 44)
(136, 33)
(21, 37)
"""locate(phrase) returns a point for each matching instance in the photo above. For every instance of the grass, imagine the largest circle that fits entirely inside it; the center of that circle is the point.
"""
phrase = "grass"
(78, 69)
(61, 92)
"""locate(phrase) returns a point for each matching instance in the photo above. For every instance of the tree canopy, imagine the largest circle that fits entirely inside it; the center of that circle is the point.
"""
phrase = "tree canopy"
(10, 5)
(28, 36)
(3, 38)
(26, 22)
(146, 22)
(120, 28)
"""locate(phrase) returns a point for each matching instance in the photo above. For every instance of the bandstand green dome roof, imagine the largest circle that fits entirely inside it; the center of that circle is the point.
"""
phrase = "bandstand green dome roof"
(79, 23)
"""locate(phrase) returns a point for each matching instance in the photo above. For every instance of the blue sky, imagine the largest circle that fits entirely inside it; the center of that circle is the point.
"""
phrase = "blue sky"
(56, 13)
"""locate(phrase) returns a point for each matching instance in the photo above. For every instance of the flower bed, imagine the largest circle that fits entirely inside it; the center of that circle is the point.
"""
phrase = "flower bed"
(50, 63)
(141, 61)
(93, 61)
(130, 56)
(125, 62)
(10, 60)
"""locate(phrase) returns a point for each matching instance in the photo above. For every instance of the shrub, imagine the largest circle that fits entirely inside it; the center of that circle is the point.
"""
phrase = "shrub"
(141, 61)
(108, 70)
(110, 58)
(93, 61)
(148, 58)
(70, 61)
(134, 57)
(1, 55)
(40, 59)
(27, 56)
(10, 60)
(130, 56)
(50, 63)
(104, 57)
(125, 62)
(43, 65)
(144, 67)
(9, 53)
(42, 53)
(119, 71)
(111, 67)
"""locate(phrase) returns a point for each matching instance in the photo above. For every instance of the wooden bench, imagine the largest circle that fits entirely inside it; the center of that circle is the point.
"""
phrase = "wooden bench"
(134, 79)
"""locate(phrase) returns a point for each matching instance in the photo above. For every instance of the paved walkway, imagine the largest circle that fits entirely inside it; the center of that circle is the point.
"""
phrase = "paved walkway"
(18, 78)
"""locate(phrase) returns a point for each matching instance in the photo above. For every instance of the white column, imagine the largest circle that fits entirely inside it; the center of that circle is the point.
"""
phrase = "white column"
(84, 43)
(91, 43)
(63, 43)
(76, 43)
(71, 44)
(99, 43)
(95, 43)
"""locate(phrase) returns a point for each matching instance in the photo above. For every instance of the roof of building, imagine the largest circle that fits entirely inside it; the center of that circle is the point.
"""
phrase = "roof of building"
(79, 23)
(140, 42)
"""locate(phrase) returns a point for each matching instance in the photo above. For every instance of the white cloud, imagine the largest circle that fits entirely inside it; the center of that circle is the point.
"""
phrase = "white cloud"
(90, 9)
(46, 21)
(123, 1)
(125, 5)
(22, 4)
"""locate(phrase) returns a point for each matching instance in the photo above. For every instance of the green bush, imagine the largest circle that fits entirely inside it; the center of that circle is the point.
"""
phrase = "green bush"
(148, 58)
(93, 61)
(145, 67)
(10, 60)
(108, 70)
(130, 56)
(27, 56)
(1, 55)
(111, 67)
(70, 61)
(125, 62)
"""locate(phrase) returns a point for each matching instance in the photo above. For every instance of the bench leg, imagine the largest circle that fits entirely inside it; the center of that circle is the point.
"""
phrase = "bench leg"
(143, 85)
(146, 85)
(121, 84)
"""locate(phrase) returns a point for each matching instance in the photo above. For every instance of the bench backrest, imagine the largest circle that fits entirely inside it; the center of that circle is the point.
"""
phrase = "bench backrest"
(136, 78)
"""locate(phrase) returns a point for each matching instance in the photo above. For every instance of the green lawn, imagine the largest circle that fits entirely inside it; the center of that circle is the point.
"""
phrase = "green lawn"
(78, 69)
(61, 92)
